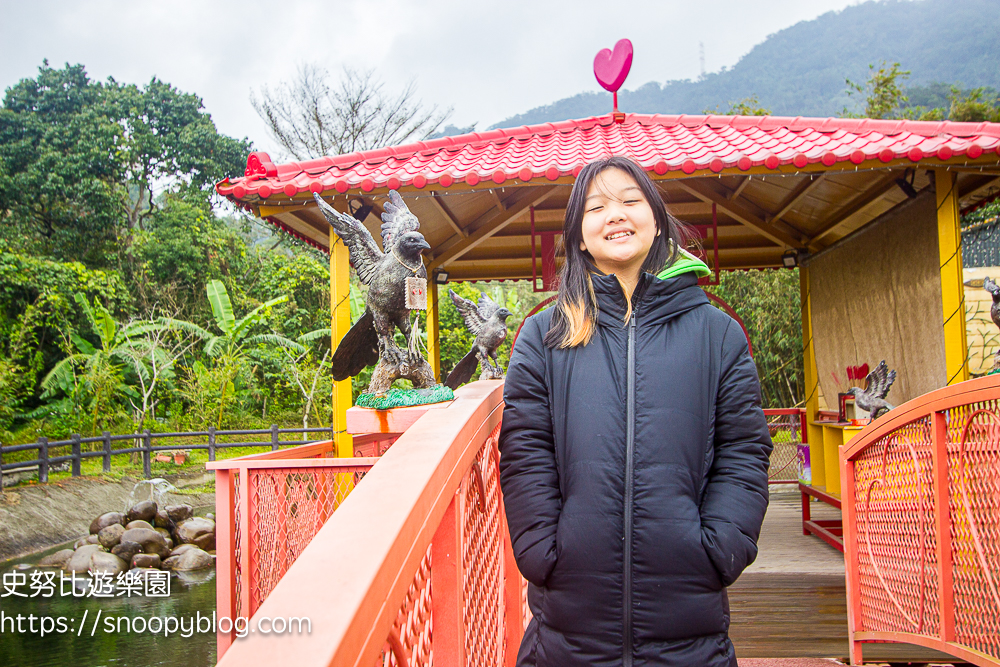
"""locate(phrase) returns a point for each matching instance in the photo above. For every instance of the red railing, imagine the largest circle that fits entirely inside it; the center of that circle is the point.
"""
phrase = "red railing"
(268, 508)
(788, 433)
(921, 507)
(420, 542)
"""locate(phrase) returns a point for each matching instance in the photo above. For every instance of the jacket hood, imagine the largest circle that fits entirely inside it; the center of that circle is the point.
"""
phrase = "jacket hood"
(656, 298)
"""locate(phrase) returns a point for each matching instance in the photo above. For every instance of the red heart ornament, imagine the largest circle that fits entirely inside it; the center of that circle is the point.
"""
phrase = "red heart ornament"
(611, 67)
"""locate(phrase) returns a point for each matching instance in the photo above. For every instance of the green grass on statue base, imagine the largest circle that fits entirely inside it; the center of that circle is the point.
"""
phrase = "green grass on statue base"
(401, 398)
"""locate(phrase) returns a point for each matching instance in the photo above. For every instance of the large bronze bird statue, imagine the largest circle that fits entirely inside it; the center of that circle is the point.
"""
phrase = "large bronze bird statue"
(872, 397)
(370, 340)
(488, 323)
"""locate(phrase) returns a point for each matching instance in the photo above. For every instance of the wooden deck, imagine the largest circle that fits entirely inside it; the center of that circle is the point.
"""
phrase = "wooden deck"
(789, 609)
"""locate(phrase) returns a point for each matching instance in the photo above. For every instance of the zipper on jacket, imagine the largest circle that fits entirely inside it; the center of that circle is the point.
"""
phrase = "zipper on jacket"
(627, 514)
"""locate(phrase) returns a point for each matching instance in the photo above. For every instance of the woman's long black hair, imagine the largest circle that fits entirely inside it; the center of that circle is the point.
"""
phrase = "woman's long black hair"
(575, 315)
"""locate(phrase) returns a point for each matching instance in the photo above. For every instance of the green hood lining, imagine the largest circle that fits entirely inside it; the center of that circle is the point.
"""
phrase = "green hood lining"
(685, 263)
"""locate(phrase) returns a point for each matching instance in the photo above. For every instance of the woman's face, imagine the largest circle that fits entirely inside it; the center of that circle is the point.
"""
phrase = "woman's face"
(618, 224)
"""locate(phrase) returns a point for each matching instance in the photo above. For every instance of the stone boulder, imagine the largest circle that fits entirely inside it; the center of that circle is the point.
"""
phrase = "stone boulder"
(182, 548)
(152, 542)
(179, 513)
(192, 559)
(101, 561)
(106, 520)
(197, 531)
(144, 511)
(80, 560)
(146, 561)
(126, 550)
(162, 520)
(58, 559)
(138, 523)
(111, 535)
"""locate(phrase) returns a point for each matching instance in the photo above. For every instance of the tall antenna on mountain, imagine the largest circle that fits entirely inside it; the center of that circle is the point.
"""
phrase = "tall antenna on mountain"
(701, 57)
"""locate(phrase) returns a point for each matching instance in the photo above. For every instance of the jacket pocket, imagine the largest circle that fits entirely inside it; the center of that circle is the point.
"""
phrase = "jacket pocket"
(728, 549)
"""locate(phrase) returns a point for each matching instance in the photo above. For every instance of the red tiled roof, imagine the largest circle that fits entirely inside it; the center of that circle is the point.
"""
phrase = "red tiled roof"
(659, 143)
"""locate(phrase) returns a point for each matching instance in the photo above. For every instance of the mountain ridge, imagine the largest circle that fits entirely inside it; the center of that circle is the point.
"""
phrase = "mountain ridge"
(801, 70)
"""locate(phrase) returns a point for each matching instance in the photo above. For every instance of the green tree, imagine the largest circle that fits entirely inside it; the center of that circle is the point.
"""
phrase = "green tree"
(883, 92)
(748, 106)
(103, 365)
(768, 303)
(59, 176)
(79, 160)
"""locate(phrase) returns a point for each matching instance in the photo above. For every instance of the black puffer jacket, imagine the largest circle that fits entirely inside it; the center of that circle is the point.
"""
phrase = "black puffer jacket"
(634, 474)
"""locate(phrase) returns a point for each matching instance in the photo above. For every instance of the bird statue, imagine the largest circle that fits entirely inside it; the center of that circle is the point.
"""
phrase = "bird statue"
(994, 290)
(872, 397)
(488, 323)
(397, 280)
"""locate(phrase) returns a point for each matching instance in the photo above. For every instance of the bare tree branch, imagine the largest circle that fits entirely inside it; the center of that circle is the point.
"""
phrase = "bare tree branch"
(311, 118)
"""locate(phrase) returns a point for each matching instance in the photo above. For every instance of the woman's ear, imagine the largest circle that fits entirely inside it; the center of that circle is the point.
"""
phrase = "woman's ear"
(583, 247)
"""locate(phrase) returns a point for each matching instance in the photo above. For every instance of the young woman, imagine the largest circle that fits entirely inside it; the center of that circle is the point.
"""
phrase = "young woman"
(633, 451)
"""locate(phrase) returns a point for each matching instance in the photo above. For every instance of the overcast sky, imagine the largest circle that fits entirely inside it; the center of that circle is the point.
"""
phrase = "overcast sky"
(488, 60)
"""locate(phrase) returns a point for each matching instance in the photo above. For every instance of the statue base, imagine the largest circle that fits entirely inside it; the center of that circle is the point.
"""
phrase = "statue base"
(399, 398)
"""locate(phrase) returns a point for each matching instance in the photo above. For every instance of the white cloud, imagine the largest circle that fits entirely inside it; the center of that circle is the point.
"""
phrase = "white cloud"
(487, 60)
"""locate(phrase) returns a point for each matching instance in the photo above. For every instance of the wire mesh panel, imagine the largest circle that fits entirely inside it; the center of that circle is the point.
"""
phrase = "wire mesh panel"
(786, 434)
(897, 545)
(287, 508)
(411, 632)
(483, 559)
(974, 495)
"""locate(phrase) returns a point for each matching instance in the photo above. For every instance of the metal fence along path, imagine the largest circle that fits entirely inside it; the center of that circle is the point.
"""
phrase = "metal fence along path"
(207, 440)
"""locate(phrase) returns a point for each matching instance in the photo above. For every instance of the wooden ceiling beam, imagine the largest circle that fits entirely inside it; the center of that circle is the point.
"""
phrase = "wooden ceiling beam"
(448, 216)
(796, 195)
(491, 222)
(973, 186)
(860, 202)
(736, 209)
(745, 181)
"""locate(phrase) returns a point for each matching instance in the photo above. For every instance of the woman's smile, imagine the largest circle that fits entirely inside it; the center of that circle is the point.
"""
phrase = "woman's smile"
(618, 225)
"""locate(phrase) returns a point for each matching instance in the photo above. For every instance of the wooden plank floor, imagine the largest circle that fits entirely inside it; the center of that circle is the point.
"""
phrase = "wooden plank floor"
(791, 603)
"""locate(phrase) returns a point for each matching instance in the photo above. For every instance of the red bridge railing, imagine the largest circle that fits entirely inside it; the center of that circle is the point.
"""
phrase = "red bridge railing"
(921, 506)
(420, 543)
(268, 508)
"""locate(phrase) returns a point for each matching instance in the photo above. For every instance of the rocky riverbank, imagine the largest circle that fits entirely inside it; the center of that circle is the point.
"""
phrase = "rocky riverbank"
(34, 518)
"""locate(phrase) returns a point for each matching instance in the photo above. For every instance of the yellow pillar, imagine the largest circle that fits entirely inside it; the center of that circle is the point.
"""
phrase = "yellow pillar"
(433, 336)
(811, 376)
(340, 309)
(956, 350)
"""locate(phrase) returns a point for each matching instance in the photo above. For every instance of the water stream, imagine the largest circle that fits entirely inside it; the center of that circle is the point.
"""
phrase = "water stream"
(123, 643)
(70, 626)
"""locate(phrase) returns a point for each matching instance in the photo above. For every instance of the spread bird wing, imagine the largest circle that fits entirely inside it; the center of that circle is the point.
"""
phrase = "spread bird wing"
(879, 381)
(365, 254)
(990, 286)
(470, 313)
(487, 306)
(397, 220)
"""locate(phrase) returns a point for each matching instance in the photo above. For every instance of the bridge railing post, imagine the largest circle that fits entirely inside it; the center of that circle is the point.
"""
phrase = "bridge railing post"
(446, 588)
(942, 525)
(225, 550)
(853, 578)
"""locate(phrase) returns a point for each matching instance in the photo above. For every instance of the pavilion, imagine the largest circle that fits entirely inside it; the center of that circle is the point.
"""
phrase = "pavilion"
(868, 209)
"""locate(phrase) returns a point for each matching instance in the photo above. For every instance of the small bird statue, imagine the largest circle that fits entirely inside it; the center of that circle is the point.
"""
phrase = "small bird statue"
(370, 340)
(994, 290)
(872, 398)
(488, 323)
